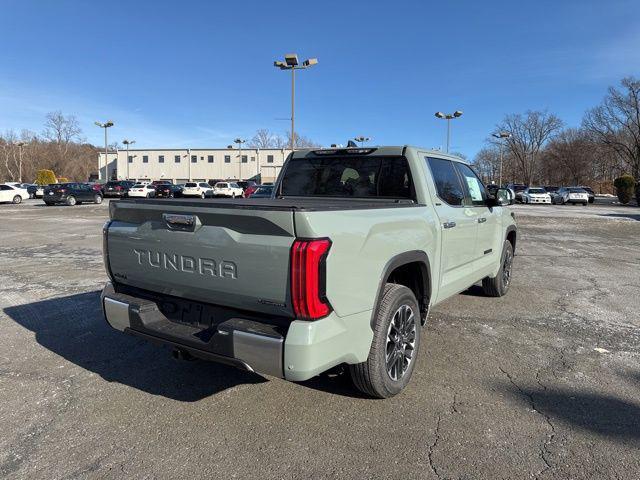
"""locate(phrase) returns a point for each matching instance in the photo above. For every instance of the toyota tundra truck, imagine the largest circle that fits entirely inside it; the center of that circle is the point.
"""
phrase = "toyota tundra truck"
(339, 267)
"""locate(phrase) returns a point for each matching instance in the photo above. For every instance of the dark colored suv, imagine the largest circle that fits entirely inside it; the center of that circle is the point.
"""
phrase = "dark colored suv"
(117, 188)
(70, 194)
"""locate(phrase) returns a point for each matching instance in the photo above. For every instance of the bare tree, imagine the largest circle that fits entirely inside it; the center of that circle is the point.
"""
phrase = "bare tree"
(61, 131)
(301, 141)
(487, 164)
(263, 139)
(616, 122)
(529, 134)
(569, 158)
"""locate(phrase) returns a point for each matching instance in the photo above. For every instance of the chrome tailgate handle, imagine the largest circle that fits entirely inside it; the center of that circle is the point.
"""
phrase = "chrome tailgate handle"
(179, 221)
(449, 224)
(482, 220)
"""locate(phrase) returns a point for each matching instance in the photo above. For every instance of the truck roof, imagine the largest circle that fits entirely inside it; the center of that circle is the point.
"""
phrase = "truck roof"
(376, 150)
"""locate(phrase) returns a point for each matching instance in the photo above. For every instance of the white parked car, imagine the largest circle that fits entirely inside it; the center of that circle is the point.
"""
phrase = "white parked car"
(571, 195)
(201, 189)
(536, 195)
(12, 193)
(227, 189)
(141, 190)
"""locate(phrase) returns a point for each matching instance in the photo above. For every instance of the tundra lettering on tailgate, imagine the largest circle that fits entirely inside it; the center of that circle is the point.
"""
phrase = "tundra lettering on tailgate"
(187, 264)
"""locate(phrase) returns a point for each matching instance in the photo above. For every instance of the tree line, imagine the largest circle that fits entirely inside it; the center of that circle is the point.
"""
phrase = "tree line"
(538, 149)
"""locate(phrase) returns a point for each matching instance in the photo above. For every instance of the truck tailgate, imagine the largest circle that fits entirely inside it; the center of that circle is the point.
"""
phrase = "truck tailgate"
(203, 251)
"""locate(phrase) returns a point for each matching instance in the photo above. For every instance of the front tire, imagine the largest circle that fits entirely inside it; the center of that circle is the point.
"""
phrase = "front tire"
(499, 285)
(395, 345)
(97, 199)
(71, 201)
(17, 199)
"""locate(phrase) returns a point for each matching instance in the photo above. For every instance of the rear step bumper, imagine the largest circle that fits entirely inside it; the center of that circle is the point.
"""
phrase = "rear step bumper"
(243, 343)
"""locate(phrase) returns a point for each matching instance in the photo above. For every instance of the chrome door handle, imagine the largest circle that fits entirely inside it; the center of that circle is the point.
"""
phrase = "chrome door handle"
(482, 220)
(449, 224)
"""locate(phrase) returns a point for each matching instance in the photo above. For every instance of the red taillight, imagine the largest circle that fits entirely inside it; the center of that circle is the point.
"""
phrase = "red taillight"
(308, 278)
(118, 187)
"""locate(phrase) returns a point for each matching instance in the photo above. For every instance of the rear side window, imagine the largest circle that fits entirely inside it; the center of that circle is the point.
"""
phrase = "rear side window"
(348, 176)
(190, 185)
(447, 181)
(476, 195)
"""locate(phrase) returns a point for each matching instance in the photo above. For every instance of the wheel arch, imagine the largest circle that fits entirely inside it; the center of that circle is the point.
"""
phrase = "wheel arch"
(411, 269)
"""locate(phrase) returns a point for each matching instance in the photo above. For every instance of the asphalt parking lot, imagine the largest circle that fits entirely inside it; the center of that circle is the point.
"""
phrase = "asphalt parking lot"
(542, 383)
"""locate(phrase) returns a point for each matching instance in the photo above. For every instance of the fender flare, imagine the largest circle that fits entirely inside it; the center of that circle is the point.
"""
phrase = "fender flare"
(413, 256)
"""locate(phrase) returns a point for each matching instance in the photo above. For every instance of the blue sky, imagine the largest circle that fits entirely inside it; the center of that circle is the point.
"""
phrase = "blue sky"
(198, 74)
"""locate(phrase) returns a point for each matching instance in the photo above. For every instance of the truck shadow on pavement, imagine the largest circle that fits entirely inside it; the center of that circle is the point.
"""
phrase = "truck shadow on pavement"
(605, 415)
(74, 328)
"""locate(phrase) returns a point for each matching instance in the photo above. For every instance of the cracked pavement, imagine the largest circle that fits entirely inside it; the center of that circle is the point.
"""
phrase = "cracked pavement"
(542, 383)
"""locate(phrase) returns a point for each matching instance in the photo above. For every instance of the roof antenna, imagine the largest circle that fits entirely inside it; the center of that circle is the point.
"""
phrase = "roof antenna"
(352, 144)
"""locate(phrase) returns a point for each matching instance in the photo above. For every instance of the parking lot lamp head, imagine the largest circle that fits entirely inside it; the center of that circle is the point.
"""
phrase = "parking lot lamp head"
(362, 139)
(448, 117)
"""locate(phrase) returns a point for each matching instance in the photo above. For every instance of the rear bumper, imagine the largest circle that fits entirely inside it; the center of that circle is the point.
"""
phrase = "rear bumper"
(298, 352)
(115, 194)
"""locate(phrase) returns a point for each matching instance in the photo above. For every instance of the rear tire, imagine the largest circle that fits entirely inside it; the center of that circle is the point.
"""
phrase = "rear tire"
(71, 201)
(202, 195)
(499, 285)
(48, 204)
(97, 199)
(395, 345)
(17, 199)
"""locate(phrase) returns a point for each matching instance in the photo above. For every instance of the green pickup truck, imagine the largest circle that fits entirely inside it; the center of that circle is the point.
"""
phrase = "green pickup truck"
(339, 267)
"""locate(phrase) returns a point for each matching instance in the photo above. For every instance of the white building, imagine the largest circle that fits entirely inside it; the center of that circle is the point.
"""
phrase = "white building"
(192, 164)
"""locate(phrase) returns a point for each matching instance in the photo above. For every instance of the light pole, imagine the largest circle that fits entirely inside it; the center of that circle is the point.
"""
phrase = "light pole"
(500, 136)
(362, 139)
(127, 143)
(448, 117)
(291, 63)
(239, 141)
(105, 125)
(20, 145)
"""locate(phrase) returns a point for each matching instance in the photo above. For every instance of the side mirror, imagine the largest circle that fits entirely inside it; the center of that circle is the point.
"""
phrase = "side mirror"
(502, 197)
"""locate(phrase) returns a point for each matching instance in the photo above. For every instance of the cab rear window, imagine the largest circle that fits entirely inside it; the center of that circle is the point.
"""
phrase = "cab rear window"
(348, 176)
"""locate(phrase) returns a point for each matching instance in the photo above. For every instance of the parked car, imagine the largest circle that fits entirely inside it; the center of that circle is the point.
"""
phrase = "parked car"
(70, 194)
(244, 184)
(320, 275)
(142, 190)
(197, 189)
(155, 183)
(117, 188)
(536, 195)
(263, 191)
(97, 187)
(227, 189)
(35, 191)
(517, 189)
(13, 194)
(168, 190)
(590, 193)
(250, 190)
(570, 195)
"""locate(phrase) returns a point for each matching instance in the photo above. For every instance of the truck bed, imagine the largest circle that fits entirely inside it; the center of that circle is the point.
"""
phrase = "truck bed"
(309, 204)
